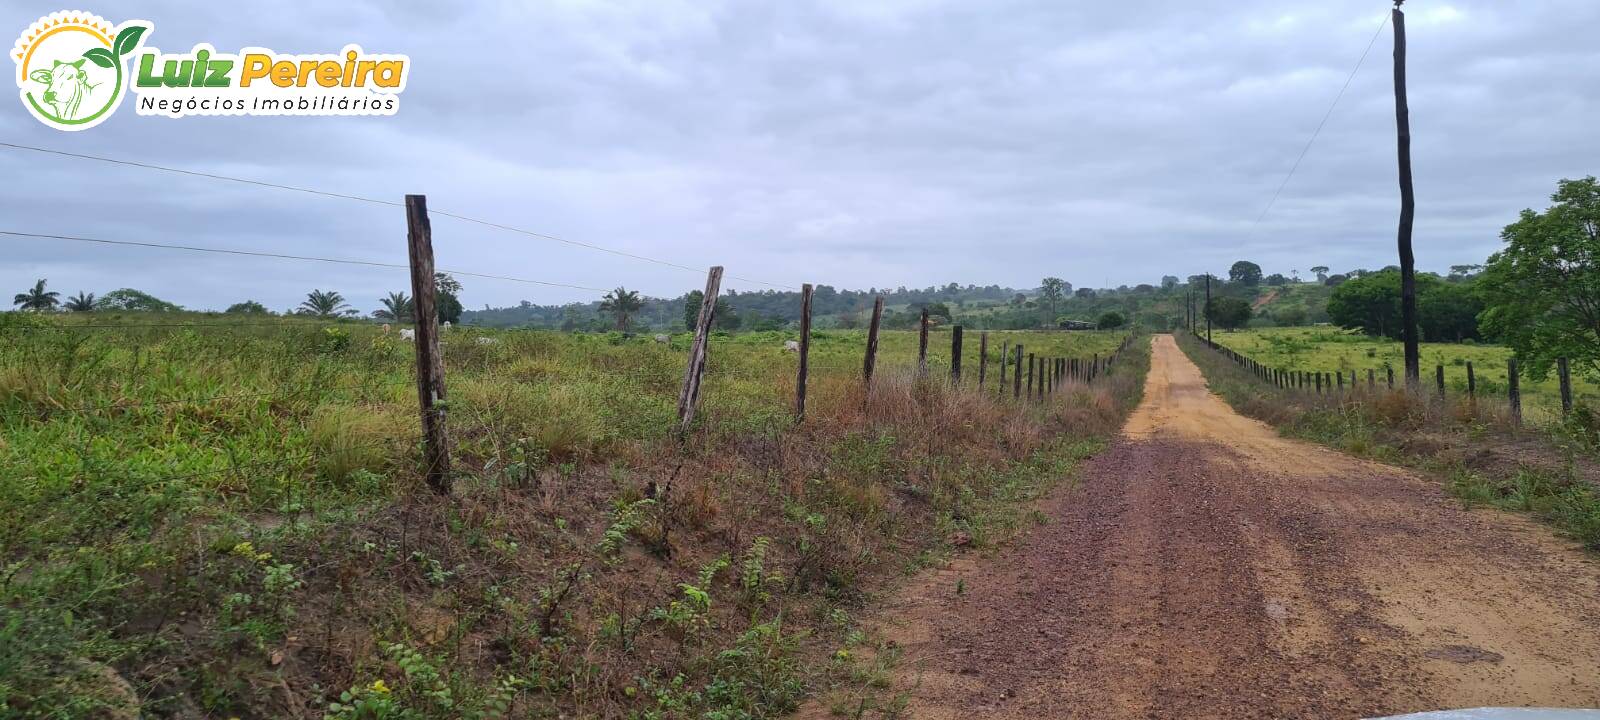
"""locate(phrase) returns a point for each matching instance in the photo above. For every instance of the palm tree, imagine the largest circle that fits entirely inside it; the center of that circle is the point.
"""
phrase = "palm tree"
(82, 302)
(397, 307)
(324, 304)
(622, 303)
(37, 299)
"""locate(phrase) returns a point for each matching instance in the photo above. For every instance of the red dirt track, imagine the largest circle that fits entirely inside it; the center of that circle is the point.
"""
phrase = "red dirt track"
(1204, 567)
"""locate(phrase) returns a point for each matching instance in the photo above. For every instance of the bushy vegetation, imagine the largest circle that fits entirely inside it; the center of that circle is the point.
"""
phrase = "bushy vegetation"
(227, 521)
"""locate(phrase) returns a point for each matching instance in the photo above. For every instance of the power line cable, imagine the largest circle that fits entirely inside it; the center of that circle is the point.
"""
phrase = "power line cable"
(285, 256)
(376, 201)
(1322, 124)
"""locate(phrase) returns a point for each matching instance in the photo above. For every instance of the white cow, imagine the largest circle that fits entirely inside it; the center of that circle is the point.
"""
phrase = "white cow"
(487, 341)
(386, 328)
(445, 325)
(791, 345)
(408, 334)
(67, 87)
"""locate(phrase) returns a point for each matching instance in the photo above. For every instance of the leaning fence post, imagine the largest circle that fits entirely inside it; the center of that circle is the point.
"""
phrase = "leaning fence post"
(1390, 370)
(1514, 390)
(871, 357)
(805, 353)
(1016, 375)
(955, 355)
(1438, 377)
(983, 357)
(922, 345)
(689, 396)
(1564, 373)
(430, 365)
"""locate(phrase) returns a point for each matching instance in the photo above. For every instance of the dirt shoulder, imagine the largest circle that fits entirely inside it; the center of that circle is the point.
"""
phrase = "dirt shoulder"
(1206, 567)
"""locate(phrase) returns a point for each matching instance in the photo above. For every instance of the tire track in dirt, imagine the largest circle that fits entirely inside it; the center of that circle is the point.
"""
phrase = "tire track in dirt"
(1205, 567)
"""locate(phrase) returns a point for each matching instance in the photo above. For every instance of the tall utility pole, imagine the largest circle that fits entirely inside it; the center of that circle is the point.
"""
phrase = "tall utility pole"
(1208, 308)
(1408, 206)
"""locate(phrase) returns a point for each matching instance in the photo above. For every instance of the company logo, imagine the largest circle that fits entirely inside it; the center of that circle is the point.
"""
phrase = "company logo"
(72, 69)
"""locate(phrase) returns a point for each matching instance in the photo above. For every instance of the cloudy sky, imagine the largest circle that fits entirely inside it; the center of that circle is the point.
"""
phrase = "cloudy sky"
(853, 143)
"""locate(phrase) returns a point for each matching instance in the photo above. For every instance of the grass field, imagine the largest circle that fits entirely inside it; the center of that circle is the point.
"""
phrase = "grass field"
(1328, 349)
(226, 519)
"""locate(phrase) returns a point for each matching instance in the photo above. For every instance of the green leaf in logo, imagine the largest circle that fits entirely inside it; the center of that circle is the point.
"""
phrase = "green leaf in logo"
(101, 56)
(128, 39)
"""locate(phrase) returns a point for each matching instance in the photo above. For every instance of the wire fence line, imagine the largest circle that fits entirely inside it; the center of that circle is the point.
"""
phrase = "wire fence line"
(390, 203)
(1043, 373)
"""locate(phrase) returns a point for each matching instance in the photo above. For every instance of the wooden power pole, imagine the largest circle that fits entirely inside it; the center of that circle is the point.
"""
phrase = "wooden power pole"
(1408, 206)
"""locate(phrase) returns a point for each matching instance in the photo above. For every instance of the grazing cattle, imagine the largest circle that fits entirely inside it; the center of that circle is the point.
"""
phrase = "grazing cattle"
(487, 341)
(791, 345)
(408, 333)
(67, 87)
(663, 339)
(386, 327)
(445, 325)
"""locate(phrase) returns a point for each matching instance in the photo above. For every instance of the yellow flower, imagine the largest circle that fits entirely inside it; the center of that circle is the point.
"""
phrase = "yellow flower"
(379, 687)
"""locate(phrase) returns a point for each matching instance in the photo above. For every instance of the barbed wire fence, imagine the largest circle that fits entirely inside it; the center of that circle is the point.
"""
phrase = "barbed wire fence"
(1033, 376)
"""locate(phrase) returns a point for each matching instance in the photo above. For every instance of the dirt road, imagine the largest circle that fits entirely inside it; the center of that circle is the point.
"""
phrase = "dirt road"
(1205, 567)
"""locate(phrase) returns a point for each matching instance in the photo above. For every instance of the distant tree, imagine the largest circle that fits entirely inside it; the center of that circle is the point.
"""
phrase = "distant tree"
(1169, 282)
(1111, 321)
(1370, 304)
(447, 305)
(397, 306)
(1321, 272)
(1051, 290)
(324, 304)
(248, 307)
(1144, 289)
(1086, 293)
(1228, 313)
(938, 311)
(135, 300)
(37, 299)
(1245, 273)
(1459, 273)
(1542, 291)
(1449, 312)
(724, 319)
(82, 302)
(1018, 299)
(1277, 280)
(621, 304)
(1334, 280)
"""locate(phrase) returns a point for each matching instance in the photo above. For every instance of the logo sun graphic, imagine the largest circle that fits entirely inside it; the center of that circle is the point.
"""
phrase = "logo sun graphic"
(70, 67)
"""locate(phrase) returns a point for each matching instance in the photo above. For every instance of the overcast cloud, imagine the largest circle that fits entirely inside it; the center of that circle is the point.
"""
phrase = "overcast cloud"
(844, 142)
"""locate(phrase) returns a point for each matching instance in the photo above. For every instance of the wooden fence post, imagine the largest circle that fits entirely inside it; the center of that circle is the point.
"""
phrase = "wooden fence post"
(1472, 381)
(805, 353)
(1564, 373)
(1016, 375)
(1005, 359)
(922, 344)
(983, 357)
(1319, 383)
(1390, 370)
(430, 365)
(689, 396)
(871, 358)
(1438, 377)
(1372, 380)
(955, 355)
(1340, 375)
(1030, 376)
(1514, 390)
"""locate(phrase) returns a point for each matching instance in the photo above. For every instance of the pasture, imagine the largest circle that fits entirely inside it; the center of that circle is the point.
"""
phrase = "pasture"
(1329, 349)
(191, 498)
